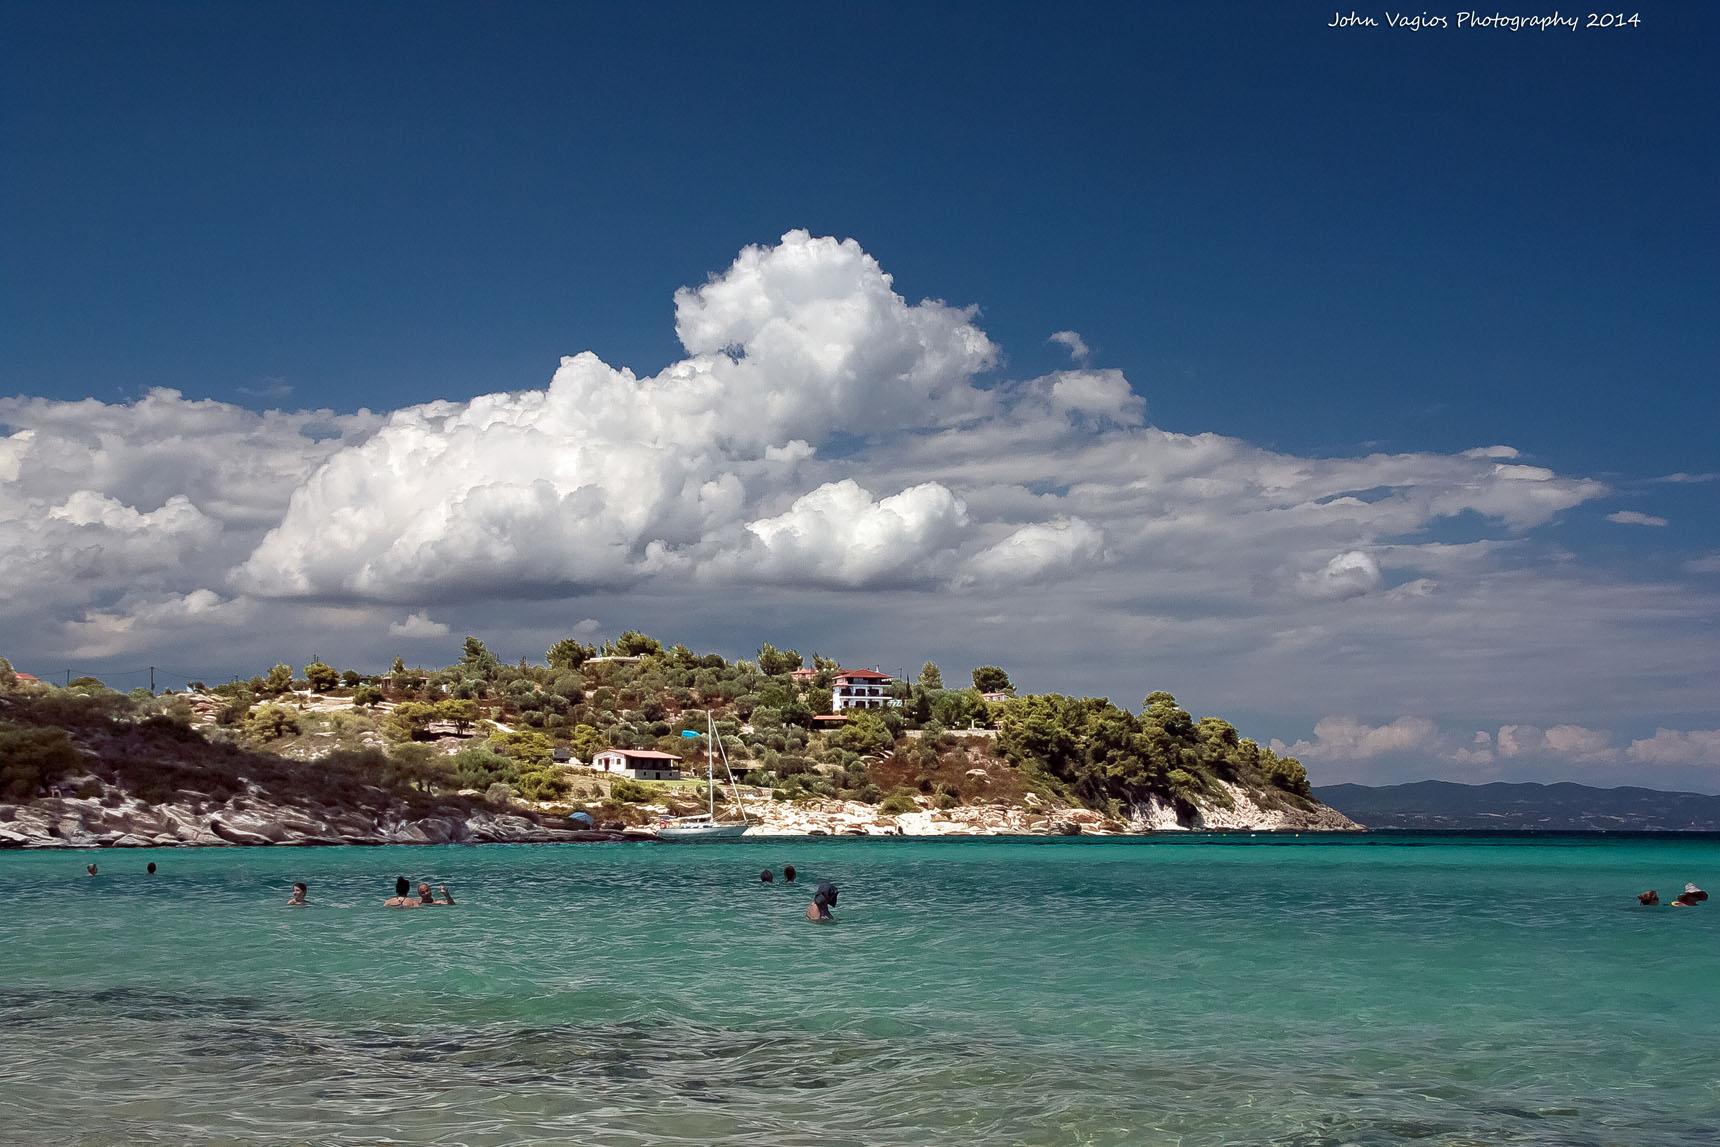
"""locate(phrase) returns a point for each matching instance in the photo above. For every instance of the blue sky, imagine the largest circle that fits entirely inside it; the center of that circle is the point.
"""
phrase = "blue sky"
(1323, 243)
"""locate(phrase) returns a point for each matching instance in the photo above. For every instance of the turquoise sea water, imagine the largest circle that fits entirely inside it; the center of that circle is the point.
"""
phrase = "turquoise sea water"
(1308, 990)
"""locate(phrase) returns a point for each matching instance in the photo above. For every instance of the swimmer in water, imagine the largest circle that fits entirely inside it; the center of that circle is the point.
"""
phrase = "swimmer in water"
(823, 901)
(151, 868)
(298, 900)
(1690, 897)
(425, 900)
(90, 869)
(788, 873)
(767, 877)
(402, 897)
(1649, 899)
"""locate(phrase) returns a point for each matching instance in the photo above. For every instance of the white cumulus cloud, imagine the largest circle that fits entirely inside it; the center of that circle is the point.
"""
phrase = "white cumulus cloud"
(417, 625)
(1350, 739)
(1677, 747)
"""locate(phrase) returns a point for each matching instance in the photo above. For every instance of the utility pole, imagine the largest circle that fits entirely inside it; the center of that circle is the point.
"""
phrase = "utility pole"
(152, 680)
(68, 679)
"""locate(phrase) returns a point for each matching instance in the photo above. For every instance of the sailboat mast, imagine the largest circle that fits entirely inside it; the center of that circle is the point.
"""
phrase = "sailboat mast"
(710, 767)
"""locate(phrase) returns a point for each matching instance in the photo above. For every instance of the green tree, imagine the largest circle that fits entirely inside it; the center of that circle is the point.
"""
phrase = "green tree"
(632, 643)
(931, 677)
(277, 681)
(32, 759)
(366, 697)
(477, 661)
(773, 662)
(410, 720)
(321, 677)
(568, 654)
(992, 679)
(8, 676)
(351, 679)
(587, 742)
(865, 732)
(398, 667)
(268, 723)
(477, 767)
(418, 766)
(525, 747)
(958, 708)
(464, 714)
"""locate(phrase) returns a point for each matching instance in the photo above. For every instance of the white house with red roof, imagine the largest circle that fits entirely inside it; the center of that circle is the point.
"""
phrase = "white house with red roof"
(639, 764)
(862, 689)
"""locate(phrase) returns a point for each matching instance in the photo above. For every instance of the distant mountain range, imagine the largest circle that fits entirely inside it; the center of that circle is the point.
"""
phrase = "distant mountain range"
(1563, 806)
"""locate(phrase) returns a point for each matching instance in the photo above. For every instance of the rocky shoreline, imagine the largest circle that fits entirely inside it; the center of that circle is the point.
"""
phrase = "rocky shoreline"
(72, 822)
(852, 818)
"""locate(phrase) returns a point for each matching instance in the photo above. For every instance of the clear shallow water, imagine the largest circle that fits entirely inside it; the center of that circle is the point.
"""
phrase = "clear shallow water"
(1312, 990)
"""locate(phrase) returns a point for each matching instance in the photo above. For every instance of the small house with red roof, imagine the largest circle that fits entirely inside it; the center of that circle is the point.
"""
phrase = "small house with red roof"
(639, 764)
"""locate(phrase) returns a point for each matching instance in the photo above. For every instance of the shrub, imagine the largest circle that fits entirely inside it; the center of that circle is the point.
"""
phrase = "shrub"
(898, 802)
(270, 723)
(629, 791)
(476, 767)
(32, 759)
(321, 677)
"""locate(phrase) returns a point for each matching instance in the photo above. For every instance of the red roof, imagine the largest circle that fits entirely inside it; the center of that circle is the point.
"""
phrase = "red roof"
(867, 674)
(22, 676)
(648, 754)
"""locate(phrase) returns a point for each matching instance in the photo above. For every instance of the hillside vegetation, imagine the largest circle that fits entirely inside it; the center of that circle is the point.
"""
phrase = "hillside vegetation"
(489, 730)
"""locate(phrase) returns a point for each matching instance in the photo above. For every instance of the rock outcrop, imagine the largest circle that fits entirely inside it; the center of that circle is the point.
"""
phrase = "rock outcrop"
(128, 823)
(1036, 818)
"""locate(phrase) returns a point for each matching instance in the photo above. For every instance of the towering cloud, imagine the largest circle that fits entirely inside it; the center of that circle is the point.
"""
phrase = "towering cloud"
(822, 435)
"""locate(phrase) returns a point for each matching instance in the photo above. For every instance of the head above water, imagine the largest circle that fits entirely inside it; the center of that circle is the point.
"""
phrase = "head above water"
(788, 873)
(825, 898)
(401, 886)
(90, 868)
(767, 876)
(301, 888)
(424, 896)
(1649, 898)
(1691, 892)
(151, 868)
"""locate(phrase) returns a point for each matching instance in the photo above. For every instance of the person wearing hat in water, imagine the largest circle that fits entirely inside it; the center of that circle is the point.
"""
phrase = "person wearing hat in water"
(823, 900)
(1690, 897)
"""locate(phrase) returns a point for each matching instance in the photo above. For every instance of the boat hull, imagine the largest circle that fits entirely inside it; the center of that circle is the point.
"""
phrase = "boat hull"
(696, 832)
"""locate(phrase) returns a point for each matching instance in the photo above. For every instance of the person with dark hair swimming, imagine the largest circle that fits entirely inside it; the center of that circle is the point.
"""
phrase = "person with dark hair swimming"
(299, 892)
(151, 868)
(1649, 899)
(767, 877)
(823, 900)
(788, 873)
(402, 897)
(90, 868)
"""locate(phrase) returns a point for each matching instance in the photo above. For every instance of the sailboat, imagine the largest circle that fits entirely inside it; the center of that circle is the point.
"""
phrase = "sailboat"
(706, 826)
